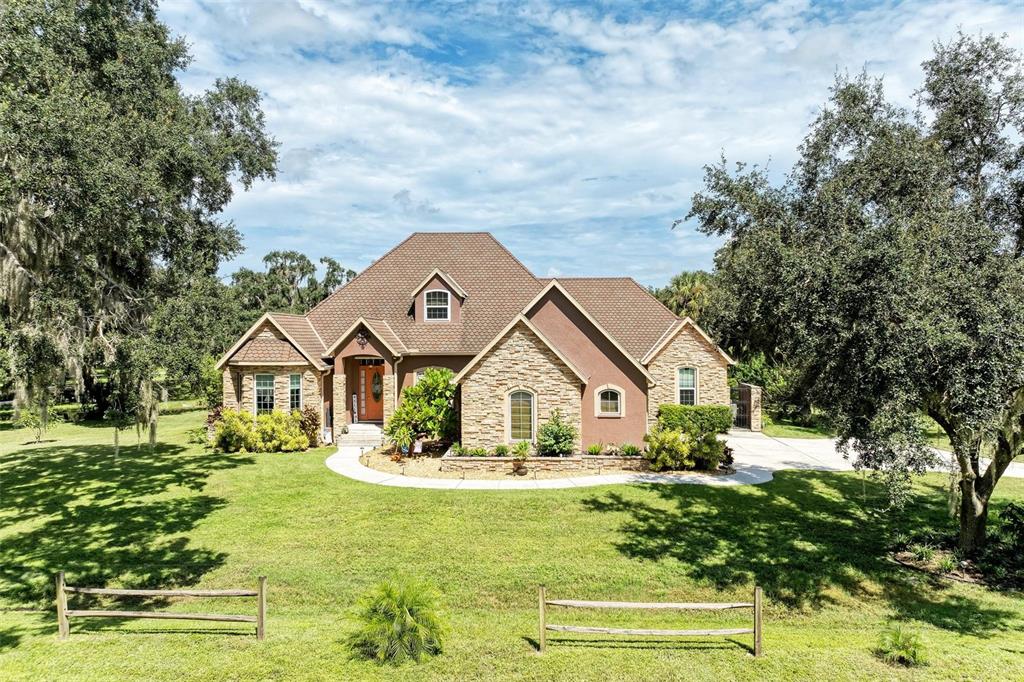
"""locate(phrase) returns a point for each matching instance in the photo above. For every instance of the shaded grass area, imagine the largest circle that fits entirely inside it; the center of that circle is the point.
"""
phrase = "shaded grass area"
(184, 516)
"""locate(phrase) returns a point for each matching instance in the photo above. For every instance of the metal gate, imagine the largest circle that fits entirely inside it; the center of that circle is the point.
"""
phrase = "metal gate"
(741, 406)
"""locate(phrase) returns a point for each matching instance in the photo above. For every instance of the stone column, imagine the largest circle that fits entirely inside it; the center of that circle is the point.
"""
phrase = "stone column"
(338, 397)
(755, 407)
(389, 394)
(229, 397)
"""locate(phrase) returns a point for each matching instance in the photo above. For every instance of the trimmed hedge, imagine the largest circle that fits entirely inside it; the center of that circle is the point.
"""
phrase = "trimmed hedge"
(695, 419)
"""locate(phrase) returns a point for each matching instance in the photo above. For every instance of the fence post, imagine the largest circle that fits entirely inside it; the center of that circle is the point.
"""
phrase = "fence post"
(63, 628)
(757, 621)
(261, 608)
(542, 603)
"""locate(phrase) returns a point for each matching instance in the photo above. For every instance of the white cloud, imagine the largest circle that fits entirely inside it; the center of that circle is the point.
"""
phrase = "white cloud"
(576, 137)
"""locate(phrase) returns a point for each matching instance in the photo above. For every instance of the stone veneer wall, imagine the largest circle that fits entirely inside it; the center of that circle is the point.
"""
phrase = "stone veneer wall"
(519, 360)
(687, 349)
(578, 463)
(338, 393)
(389, 395)
(310, 386)
(755, 407)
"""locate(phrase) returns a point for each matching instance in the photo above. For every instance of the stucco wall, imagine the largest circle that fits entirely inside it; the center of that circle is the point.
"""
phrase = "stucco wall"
(419, 311)
(519, 360)
(688, 349)
(407, 367)
(603, 365)
(310, 386)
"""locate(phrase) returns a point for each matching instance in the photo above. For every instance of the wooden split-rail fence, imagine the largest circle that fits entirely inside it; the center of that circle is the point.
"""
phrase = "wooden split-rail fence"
(64, 614)
(545, 627)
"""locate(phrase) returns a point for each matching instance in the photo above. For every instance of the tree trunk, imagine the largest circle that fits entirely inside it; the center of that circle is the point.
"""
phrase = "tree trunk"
(973, 516)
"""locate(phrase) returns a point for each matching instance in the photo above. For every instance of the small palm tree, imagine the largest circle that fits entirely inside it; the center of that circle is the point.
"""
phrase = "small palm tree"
(400, 622)
(687, 294)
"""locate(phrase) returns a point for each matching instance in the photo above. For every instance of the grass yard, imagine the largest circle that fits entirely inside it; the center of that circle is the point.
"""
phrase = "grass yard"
(184, 516)
(782, 428)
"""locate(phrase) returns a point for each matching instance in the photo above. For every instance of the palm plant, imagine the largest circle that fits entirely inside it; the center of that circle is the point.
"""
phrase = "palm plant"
(400, 622)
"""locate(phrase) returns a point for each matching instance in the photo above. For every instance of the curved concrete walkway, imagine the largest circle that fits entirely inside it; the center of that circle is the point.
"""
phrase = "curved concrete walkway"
(758, 457)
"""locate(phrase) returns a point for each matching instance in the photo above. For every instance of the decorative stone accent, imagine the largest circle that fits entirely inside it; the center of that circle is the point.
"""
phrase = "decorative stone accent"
(755, 407)
(687, 349)
(340, 414)
(282, 386)
(519, 360)
(577, 463)
(389, 395)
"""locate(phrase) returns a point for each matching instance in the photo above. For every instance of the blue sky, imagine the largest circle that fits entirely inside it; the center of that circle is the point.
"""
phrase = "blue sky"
(575, 132)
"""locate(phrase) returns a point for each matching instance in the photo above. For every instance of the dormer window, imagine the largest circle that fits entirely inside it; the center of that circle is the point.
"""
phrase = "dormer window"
(437, 305)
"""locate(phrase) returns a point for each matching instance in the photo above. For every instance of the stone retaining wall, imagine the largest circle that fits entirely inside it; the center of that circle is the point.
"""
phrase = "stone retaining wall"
(577, 463)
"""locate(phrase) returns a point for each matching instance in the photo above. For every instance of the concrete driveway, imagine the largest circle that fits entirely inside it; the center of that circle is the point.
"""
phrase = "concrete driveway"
(758, 457)
(759, 450)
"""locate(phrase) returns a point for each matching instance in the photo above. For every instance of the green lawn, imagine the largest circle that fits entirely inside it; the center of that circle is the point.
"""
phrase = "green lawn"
(184, 516)
(780, 428)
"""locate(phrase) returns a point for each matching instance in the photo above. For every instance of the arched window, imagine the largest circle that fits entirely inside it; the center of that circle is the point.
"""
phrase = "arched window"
(609, 401)
(520, 418)
(437, 304)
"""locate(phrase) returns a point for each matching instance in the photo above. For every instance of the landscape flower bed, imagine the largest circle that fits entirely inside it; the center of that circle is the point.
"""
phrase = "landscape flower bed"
(450, 462)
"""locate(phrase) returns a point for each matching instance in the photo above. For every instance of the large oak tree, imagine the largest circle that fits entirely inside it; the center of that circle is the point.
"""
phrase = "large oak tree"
(889, 267)
(111, 176)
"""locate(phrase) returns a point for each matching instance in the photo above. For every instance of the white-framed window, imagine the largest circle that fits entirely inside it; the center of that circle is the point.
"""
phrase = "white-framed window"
(264, 393)
(437, 305)
(520, 415)
(609, 401)
(686, 384)
(295, 392)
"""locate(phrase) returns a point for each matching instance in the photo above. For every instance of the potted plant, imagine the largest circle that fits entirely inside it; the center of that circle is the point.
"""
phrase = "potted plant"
(520, 451)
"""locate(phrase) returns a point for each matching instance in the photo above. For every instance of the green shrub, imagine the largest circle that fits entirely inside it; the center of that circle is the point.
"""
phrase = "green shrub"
(233, 431)
(425, 411)
(501, 451)
(198, 436)
(896, 644)
(272, 432)
(706, 451)
(31, 421)
(922, 552)
(947, 564)
(309, 424)
(477, 452)
(556, 438)
(279, 432)
(595, 449)
(666, 449)
(211, 382)
(695, 420)
(630, 450)
(521, 450)
(400, 622)
(457, 450)
(612, 450)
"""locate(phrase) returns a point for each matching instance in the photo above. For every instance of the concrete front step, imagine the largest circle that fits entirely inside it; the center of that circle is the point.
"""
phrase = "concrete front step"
(362, 436)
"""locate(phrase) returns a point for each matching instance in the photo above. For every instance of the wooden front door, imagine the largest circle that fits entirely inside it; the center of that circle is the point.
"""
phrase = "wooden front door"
(371, 393)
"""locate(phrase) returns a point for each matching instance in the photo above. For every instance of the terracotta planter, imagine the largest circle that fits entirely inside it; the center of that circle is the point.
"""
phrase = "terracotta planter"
(519, 468)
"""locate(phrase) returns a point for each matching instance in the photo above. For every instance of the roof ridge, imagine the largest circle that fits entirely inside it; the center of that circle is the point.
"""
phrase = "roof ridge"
(650, 295)
(512, 256)
(365, 270)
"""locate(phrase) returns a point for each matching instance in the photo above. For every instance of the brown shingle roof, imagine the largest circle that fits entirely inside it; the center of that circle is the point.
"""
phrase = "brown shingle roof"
(299, 328)
(497, 284)
(266, 348)
(625, 309)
